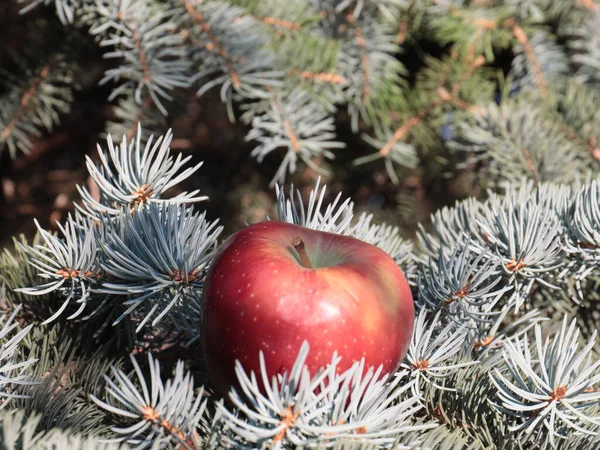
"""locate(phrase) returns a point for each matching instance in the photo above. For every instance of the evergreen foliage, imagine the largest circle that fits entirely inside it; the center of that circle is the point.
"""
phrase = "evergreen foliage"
(503, 354)
(99, 341)
(289, 69)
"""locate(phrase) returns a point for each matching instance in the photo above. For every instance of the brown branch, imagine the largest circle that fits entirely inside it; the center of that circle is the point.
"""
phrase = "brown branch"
(481, 23)
(474, 63)
(179, 277)
(444, 97)
(187, 37)
(25, 101)
(143, 61)
(276, 22)
(72, 273)
(421, 365)
(364, 62)
(273, 21)
(142, 194)
(514, 265)
(446, 68)
(522, 38)
(93, 189)
(590, 5)
(215, 43)
(530, 164)
(400, 133)
(460, 293)
(443, 94)
(414, 121)
(484, 24)
(287, 420)
(324, 77)
(402, 32)
(293, 138)
(151, 415)
(559, 393)
(294, 141)
(483, 343)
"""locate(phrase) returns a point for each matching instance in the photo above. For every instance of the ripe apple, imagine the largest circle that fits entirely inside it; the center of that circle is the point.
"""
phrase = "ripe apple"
(273, 285)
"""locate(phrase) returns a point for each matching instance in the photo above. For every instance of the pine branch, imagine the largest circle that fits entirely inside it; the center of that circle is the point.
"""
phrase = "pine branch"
(435, 352)
(70, 263)
(153, 58)
(233, 56)
(168, 412)
(485, 276)
(34, 102)
(312, 61)
(67, 374)
(392, 147)
(539, 63)
(336, 218)
(465, 285)
(298, 124)
(214, 42)
(8, 129)
(290, 17)
(157, 286)
(364, 61)
(515, 140)
(131, 176)
(359, 402)
(368, 61)
(473, 30)
(549, 391)
(528, 50)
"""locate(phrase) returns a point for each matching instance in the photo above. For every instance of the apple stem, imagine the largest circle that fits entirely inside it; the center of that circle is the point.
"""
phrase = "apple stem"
(299, 246)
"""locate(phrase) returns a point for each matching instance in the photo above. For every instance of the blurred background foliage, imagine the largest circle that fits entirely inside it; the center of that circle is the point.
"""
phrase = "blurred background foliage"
(41, 183)
(462, 96)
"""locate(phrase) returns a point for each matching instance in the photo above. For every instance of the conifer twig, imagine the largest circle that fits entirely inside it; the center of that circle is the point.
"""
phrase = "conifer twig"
(444, 97)
(293, 137)
(6, 132)
(364, 58)
(323, 77)
(588, 4)
(522, 38)
(142, 54)
(402, 32)
(152, 415)
(215, 43)
(276, 22)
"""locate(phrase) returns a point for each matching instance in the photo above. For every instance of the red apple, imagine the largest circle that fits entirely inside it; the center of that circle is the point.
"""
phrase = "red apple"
(262, 294)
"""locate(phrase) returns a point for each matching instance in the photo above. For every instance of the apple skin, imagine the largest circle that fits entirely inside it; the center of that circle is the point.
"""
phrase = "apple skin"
(258, 296)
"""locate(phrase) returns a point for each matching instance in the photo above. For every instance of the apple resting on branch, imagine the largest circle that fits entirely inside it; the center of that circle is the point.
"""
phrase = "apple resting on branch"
(273, 285)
